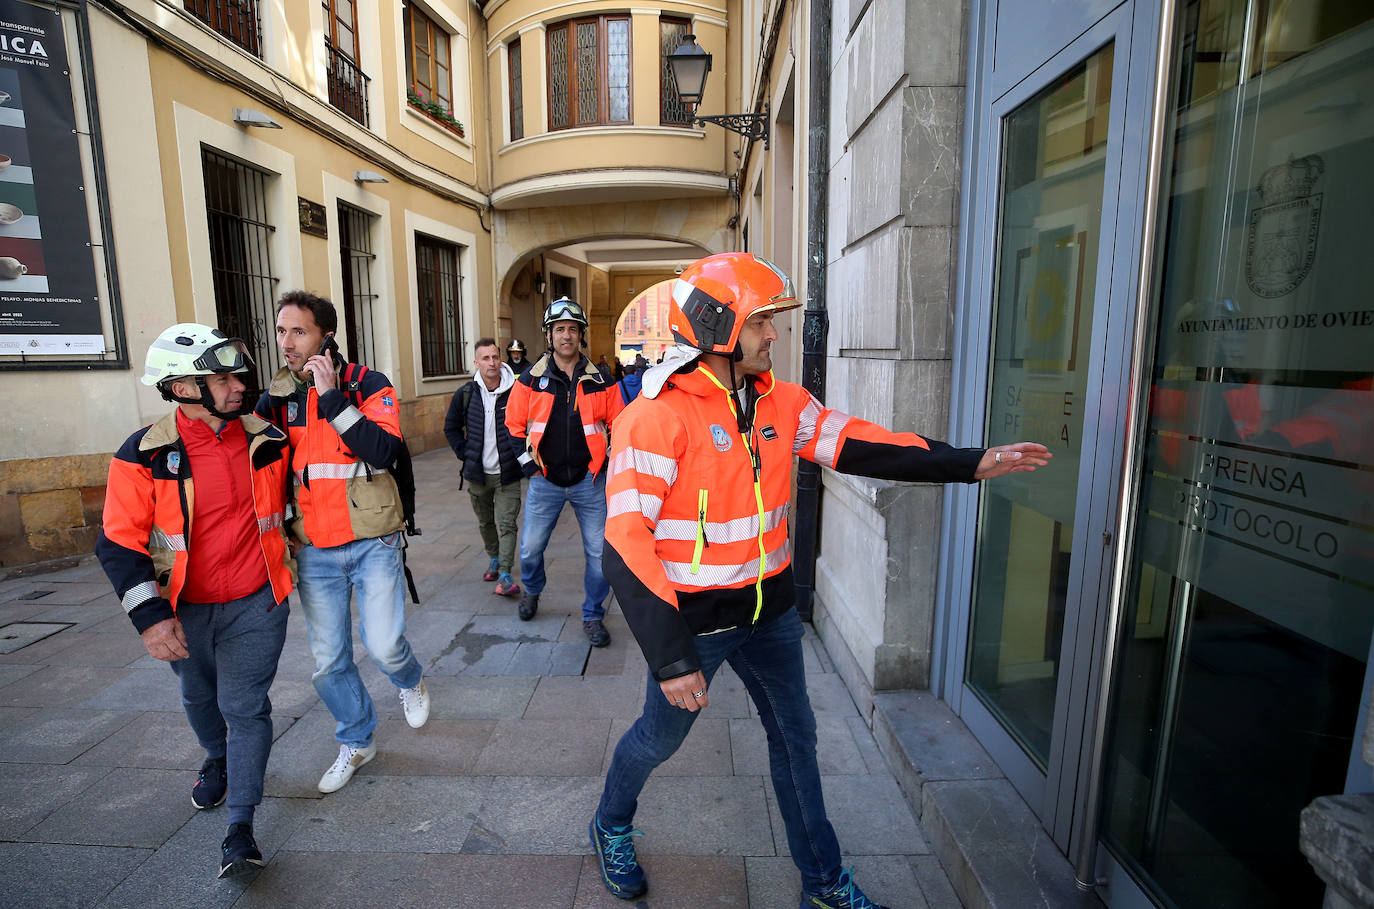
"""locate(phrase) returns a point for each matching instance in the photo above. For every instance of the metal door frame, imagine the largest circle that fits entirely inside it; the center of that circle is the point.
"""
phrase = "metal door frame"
(1054, 793)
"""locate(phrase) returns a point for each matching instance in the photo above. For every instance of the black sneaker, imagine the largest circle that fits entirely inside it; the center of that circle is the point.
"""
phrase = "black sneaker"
(529, 605)
(597, 633)
(212, 784)
(239, 851)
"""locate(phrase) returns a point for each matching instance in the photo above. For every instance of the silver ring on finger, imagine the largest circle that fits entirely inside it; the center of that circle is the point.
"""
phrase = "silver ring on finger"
(699, 694)
(997, 457)
(677, 700)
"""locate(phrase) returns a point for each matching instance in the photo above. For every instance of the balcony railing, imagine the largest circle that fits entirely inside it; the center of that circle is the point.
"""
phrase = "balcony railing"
(236, 20)
(347, 85)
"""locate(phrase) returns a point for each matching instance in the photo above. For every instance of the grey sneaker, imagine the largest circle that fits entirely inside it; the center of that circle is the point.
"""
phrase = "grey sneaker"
(597, 633)
(529, 605)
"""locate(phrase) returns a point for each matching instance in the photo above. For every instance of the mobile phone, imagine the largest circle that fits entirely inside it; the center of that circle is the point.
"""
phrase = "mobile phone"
(330, 348)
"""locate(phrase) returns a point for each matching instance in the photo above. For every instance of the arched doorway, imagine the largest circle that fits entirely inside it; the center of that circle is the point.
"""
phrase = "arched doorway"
(641, 332)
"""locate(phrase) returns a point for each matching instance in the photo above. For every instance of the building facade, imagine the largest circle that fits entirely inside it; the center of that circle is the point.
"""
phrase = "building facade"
(1130, 231)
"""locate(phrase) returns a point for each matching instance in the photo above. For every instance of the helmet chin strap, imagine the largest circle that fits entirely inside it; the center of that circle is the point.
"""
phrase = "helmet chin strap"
(206, 400)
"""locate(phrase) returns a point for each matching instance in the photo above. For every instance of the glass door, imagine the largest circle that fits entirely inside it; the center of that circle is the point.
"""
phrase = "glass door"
(1249, 607)
(1058, 315)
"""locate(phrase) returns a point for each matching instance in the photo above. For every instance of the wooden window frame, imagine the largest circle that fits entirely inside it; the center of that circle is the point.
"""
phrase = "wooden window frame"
(515, 85)
(603, 87)
(408, 13)
(331, 14)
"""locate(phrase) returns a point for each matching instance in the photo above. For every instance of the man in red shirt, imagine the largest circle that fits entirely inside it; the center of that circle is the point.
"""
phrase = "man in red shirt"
(201, 564)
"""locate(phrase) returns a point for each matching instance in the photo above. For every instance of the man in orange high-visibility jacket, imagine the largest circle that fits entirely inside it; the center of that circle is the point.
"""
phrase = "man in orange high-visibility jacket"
(192, 541)
(697, 550)
(345, 428)
(562, 408)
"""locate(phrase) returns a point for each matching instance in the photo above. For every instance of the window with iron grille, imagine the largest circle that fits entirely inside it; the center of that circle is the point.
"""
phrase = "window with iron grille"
(356, 258)
(236, 20)
(427, 57)
(241, 259)
(347, 82)
(672, 112)
(517, 92)
(589, 72)
(440, 287)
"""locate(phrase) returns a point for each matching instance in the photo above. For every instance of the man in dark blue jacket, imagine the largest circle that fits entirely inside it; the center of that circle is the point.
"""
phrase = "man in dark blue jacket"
(476, 430)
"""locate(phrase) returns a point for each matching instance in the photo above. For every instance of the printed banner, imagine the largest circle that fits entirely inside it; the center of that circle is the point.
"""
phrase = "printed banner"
(48, 298)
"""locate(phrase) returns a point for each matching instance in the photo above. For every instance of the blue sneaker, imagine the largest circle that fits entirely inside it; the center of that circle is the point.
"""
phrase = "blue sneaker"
(620, 872)
(493, 570)
(844, 895)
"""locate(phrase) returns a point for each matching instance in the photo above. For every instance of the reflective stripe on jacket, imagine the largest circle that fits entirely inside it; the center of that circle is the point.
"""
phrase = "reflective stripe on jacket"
(531, 404)
(339, 455)
(145, 540)
(696, 522)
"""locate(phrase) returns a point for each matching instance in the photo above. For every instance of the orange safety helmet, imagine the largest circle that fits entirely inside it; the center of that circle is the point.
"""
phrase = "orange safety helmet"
(714, 296)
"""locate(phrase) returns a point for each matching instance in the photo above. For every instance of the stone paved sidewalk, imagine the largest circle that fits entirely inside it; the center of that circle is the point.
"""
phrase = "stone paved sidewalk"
(487, 805)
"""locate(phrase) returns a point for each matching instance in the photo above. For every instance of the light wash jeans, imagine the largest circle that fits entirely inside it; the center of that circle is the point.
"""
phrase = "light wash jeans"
(543, 505)
(768, 660)
(328, 578)
(234, 648)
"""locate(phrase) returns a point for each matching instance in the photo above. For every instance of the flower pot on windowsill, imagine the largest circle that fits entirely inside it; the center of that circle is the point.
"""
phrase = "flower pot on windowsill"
(451, 125)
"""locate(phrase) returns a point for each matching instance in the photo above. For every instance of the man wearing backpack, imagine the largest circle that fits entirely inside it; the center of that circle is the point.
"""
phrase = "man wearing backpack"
(476, 431)
(344, 423)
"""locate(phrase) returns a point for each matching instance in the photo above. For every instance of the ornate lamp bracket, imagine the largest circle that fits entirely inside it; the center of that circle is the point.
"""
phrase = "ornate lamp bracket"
(751, 126)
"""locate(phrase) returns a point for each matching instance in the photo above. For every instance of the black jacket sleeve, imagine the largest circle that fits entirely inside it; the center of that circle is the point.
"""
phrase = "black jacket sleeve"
(455, 425)
(940, 463)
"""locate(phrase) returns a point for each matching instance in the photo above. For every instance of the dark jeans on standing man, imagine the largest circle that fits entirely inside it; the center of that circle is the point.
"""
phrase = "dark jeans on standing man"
(234, 648)
(768, 659)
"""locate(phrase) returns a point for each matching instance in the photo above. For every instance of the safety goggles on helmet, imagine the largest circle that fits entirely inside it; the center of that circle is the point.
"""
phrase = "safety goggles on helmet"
(230, 355)
(564, 310)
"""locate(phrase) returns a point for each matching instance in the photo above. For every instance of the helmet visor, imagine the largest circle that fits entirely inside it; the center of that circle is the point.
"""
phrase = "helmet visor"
(227, 356)
(564, 310)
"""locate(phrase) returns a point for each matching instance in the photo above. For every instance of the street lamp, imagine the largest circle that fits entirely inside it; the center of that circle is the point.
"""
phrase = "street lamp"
(689, 65)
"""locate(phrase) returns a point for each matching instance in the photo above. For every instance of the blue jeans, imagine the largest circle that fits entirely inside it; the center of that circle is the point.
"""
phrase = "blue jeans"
(543, 505)
(328, 578)
(234, 648)
(768, 659)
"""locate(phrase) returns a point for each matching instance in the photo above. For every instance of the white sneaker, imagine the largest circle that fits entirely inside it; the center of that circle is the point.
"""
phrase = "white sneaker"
(415, 702)
(341, 771)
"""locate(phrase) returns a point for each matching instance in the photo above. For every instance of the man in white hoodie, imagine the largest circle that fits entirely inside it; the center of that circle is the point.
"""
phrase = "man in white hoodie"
(476, 430)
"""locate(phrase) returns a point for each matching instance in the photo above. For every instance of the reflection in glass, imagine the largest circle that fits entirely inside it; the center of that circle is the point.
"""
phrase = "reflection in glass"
(1054, 148)
(1251, 598)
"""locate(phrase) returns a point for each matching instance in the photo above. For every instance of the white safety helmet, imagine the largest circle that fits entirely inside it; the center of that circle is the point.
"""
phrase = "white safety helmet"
(191, 350)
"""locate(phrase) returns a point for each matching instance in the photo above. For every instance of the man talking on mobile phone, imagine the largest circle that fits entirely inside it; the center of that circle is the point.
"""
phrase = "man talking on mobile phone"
(344, 423)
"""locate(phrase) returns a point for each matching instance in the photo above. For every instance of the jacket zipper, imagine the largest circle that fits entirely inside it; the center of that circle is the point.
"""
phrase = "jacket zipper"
(702, 542)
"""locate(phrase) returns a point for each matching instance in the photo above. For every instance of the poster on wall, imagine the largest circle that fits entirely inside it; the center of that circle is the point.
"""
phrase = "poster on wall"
(49, 302)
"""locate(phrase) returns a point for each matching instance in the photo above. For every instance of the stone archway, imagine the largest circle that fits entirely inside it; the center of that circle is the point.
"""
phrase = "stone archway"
(521, 235)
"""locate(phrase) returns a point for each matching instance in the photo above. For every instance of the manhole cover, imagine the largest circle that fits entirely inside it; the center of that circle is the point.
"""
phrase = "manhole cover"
(18, 635)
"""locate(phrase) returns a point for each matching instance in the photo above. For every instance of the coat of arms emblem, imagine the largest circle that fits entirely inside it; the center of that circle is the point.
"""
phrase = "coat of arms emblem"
(1282, 241)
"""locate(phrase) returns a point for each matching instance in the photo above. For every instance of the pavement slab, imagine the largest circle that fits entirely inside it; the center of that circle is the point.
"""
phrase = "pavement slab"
(698, 880)
(126, 807)
(304, 880)
(523, 747)
(535, 815)
(55, 876)
(60, 735)
(31, 792)
(392, 814)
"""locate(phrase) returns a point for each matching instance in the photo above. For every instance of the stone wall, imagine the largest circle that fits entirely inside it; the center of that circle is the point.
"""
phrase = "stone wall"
(897, 99)
(50, 507)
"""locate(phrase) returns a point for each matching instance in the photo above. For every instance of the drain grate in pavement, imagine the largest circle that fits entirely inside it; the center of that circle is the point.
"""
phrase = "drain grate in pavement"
(18, 635)
(36, 594)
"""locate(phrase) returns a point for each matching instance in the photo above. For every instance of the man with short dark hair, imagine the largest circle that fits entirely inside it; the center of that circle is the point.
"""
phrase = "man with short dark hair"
(563, 408)
(212, 603)
(344, 424)
(697, 549)
(477, 433)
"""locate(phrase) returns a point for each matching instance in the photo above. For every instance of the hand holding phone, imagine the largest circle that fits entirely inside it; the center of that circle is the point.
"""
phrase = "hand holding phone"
(324, 365)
